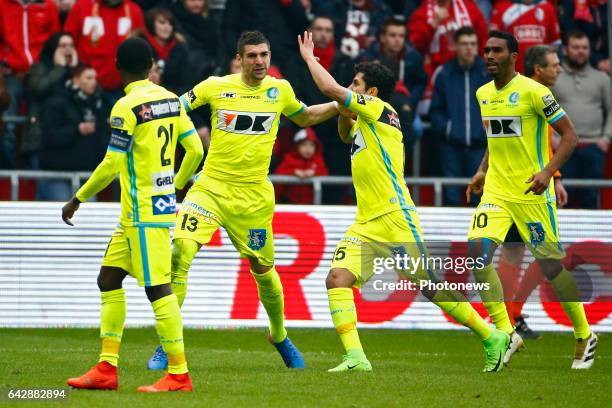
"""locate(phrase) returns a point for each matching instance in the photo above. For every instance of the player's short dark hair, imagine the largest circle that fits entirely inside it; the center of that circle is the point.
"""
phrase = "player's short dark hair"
(379, 76)
(511, 42)
(391, 21)
(467, 30)
(574, 33)
(536, 55)
(250, 38)
(134, 56)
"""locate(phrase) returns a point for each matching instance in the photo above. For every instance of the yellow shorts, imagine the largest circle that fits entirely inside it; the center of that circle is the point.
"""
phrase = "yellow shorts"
(144, 252)
(245, 212)
(536, 224)
(397, 232)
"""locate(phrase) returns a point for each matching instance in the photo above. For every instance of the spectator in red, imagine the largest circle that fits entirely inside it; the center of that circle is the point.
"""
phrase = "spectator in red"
(532, 22)
(432, 26)
(98, 27)
(304, 161)
(169, 49)
(24, 27)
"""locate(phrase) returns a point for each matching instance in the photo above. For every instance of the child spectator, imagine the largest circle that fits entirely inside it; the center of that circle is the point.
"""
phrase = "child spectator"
(305, 160)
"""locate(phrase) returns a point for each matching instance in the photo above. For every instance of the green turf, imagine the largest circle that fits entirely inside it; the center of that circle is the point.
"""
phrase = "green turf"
(238, 368)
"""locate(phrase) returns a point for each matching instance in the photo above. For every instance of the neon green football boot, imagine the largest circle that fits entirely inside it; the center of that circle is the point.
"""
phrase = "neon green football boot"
(495, 348)
(354, 360)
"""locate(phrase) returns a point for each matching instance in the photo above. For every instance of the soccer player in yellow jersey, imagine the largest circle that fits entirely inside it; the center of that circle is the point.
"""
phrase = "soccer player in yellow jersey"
(516, 178)
(385, 212)
(146, 125)
(233, 190)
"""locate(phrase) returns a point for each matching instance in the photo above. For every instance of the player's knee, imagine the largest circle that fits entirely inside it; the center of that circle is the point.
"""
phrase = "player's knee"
(183, 252)
(512, 252)
(257, 267)
(550, 267)
(157, 292)
(110, 279)
(481, 249)
(339, 278)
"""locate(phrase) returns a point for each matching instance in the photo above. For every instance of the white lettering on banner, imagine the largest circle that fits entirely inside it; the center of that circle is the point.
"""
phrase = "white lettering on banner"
(39, 257)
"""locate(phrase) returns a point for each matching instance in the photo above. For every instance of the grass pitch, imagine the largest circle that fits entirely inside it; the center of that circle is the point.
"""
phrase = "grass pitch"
(232, 368)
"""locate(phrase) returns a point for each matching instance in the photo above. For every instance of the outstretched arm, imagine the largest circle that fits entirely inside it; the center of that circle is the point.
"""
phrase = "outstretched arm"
(101, 177)
(325, 82)
(315, 114)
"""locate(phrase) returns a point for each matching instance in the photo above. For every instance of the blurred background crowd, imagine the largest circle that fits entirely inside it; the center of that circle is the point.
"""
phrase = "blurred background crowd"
(57, 71)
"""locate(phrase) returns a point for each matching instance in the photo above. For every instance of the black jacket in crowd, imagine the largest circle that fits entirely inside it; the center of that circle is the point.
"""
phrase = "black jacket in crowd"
(63, 146)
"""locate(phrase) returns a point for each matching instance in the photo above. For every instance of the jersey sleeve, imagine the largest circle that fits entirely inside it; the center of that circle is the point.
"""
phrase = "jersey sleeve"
(293, 105)
(546, 105)
(122, 124)
(366, 106)
(188, 138)
(199, 95)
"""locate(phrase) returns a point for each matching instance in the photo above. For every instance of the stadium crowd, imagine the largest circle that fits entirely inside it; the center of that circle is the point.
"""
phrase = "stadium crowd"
(57, 69)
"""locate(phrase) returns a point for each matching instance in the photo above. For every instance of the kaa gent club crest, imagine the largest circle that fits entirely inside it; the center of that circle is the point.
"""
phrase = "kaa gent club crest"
(257, 239)
(536, 233)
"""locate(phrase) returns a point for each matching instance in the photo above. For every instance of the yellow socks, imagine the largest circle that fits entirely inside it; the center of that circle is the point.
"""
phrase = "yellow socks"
(169, 325)
(270, 291)
(493, 298)
(112, 319)
(183, 252)
(569, 296)
(344, 315)
(464, 314)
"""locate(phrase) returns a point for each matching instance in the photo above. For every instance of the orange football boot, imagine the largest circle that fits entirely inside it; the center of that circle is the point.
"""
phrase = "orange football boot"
(103, 376)
(171, 382)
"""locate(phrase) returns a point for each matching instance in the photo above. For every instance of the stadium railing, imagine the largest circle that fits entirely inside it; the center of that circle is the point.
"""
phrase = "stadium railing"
(317, 183)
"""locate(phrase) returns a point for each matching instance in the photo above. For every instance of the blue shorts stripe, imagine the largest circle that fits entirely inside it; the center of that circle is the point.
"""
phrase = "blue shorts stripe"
(402, 200)
(142, 237)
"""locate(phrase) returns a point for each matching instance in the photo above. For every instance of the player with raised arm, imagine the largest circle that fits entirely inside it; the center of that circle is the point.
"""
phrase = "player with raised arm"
(146, 125)
(515, 176)
(233, 190)
(385, 211)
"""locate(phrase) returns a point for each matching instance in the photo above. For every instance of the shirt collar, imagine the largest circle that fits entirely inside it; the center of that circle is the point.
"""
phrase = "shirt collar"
(136, 84)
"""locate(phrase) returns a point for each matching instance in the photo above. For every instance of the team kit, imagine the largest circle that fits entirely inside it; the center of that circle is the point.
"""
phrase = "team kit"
(232, 191)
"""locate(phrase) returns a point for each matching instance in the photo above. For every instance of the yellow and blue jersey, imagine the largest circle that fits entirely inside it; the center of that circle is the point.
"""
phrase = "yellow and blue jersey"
(516, 120)
(146, 125)
(244, 124)
(377, 158)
